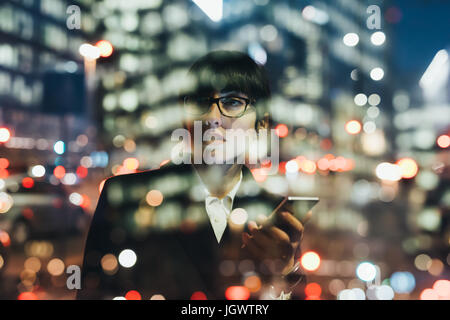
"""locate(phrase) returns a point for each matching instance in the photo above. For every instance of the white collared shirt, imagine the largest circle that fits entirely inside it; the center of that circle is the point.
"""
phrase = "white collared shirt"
(219, 210)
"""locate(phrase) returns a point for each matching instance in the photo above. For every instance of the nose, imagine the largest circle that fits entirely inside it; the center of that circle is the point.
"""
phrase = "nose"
(214, 117)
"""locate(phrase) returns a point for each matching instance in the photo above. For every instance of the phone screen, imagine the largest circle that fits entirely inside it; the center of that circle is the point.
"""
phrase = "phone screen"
(298, 206)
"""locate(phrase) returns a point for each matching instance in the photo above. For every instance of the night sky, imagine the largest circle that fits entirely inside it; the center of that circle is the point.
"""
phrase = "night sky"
(423, 30)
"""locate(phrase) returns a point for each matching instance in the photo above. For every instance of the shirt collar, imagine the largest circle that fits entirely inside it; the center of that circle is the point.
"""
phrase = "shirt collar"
(230, 194)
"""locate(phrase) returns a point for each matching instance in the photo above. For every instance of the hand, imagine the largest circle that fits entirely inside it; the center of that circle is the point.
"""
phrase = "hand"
(277, 244)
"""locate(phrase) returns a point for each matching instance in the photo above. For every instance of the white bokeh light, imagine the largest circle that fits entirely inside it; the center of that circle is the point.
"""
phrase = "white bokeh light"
(38, 171)
(360, 99)
(366, 271)
(378, 38)
(377, 74)
(127, 258)
(351, 39)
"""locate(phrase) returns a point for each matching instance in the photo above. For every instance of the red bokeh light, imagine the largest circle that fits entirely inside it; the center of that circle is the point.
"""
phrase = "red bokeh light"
(326, 144)
(237, 293)
(133, 295)
(82, 172)
(28, 213)
(198, 295)
(28, 182)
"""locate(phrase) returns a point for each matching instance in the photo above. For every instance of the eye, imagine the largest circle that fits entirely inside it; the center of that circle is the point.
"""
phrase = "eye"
(232, 102)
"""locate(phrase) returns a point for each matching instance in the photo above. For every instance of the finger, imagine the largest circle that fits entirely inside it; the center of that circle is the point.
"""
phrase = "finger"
(268, 244)
(295, 227)
(307, 217)
(252, 226)
(255, 250)
(277, 234)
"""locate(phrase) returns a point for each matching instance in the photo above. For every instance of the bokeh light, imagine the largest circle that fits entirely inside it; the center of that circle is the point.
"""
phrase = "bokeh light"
(443, 141)
(127, 258)
(154, 198)
(408, 167)
(105, 47)
(310, 261)
(403, 282)
(281, 130)
(366, 271)
(353, 127)
(5, 135)
(237, 293)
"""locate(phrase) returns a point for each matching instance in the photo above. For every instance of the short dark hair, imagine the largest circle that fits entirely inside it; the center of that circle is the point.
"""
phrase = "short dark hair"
(225, 70)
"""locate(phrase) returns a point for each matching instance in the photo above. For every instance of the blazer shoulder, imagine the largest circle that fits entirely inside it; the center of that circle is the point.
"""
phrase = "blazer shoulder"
(146, 175)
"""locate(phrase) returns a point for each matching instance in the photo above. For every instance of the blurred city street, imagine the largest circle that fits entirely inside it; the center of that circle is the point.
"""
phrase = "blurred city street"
(360, 104)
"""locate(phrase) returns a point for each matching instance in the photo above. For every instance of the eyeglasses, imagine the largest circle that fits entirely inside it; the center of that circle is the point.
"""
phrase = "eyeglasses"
(229, 106)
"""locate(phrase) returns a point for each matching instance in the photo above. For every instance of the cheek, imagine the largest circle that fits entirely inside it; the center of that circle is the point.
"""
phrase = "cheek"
(246, 122)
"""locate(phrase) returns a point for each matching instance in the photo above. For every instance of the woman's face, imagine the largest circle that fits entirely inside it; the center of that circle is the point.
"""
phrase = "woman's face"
(215, 124)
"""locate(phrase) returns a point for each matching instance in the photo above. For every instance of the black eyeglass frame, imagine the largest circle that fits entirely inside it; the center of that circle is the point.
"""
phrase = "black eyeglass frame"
(216, 102)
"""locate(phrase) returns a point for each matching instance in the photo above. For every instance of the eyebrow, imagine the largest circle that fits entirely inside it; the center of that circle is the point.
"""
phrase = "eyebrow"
(229, 93)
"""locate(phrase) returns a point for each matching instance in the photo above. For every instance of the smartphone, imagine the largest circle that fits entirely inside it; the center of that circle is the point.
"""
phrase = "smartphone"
(298, 206)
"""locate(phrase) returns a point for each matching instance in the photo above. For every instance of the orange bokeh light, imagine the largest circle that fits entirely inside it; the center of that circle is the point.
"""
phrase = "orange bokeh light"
(408, 167)
(154, 198)
(281, 130)
(323, 164)
(4, 173)
(131, 163)
(27, 296)
(443, 141)
(106, 48)
(313, 290)
(4, 163)
(59, 172)
(237, 293)
(85, 201)
(353, 127)
(5, 239)
(308, 166)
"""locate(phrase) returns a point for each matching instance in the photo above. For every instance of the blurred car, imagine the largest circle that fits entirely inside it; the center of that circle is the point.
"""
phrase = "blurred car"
(39, 211)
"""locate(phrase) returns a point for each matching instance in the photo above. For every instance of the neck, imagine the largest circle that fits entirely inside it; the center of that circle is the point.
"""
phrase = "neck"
(219, 178)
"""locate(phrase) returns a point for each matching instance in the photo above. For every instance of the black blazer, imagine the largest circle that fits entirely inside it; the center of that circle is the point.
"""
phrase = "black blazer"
(176, 249)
